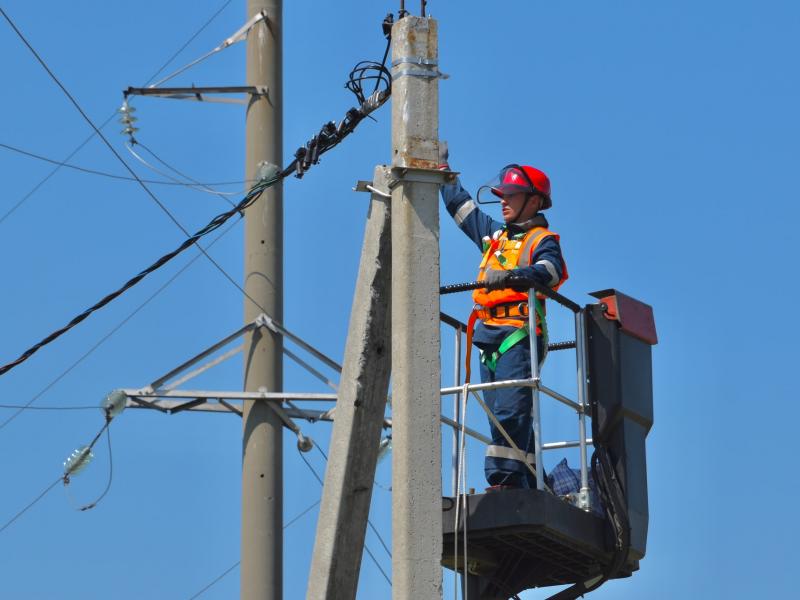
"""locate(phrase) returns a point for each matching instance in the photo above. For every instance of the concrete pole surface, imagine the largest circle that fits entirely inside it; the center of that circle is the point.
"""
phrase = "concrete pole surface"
(360, 408)
(416, 433)
(262, 450)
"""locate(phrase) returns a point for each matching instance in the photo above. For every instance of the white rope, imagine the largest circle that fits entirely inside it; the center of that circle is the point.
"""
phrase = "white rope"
(240, 35)
(461, 497)
(464, 486)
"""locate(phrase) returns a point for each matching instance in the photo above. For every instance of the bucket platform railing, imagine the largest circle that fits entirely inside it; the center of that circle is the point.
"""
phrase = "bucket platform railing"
(580, 407)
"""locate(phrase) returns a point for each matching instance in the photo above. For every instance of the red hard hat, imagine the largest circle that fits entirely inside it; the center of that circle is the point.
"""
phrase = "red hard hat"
(515, 178)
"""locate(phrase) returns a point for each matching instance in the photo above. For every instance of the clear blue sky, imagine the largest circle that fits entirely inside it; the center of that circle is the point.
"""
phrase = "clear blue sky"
(670, 131)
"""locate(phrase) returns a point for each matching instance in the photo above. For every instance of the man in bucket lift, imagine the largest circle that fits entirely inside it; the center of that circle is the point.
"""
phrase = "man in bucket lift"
(519, 250)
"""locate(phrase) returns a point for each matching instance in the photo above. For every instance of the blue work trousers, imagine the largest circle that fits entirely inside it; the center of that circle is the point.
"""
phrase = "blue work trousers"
(513, 409)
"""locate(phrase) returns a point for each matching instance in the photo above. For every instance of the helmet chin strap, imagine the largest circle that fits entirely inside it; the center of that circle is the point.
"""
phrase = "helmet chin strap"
(522, 208)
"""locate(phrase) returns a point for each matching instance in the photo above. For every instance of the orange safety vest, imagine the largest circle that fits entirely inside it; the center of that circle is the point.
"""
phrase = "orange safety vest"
(507, 307)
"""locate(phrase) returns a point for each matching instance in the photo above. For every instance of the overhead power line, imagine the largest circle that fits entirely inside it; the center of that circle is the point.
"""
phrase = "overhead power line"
(80, 146)
(366, 548)
(111, 332)
(189, 41)
(26, 407)
(192, 239)
(251, 197)
(329, 136)
(83, 114)
(212, 225)
(31, 503)
(114, 175)
(219, 577)
(193, 184)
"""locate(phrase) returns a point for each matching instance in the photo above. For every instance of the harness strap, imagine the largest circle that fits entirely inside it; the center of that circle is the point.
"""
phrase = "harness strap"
(490, 359)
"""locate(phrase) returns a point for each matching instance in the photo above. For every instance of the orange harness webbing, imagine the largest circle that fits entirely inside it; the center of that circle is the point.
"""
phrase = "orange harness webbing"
(473, 316)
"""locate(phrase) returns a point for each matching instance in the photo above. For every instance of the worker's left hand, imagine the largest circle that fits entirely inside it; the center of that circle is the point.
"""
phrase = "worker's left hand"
(497, 279)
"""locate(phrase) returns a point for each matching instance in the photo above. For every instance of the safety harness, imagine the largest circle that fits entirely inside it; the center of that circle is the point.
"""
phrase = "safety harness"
(489, 359)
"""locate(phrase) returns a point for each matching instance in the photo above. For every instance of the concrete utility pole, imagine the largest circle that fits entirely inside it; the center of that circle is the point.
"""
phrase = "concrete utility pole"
(262, 450)
(416, 433)
(360, 408)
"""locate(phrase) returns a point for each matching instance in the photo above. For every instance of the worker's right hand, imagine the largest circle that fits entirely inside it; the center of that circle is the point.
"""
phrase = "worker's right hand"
(496, 279)
(444, 155)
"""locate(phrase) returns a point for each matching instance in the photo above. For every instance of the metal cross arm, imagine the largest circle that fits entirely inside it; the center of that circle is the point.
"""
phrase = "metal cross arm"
(198, 93)
(145, 394)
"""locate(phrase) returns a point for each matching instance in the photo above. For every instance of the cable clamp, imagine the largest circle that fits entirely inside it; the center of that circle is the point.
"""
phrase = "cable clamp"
(415, 60)
(420, 175)
(425, 74)
(374, 102)
(264, 320)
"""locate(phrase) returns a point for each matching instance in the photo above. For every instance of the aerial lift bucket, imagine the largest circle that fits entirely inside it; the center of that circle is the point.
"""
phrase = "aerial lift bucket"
(521, 539)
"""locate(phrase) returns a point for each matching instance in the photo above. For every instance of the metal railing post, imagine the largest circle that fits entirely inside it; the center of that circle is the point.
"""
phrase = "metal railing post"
(535, 409)
(580, 350)
(456, 408)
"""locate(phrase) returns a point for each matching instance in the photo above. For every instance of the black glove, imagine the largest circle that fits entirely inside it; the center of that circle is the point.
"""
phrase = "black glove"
(496, 279)
(499, 280)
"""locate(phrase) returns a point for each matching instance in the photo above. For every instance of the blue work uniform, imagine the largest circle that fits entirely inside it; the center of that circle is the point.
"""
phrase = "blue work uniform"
(512, 407)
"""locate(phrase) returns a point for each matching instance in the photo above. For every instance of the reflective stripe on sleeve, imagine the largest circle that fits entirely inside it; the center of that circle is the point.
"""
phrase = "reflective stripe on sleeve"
(551, 269)
(510, 454)
(464, 211)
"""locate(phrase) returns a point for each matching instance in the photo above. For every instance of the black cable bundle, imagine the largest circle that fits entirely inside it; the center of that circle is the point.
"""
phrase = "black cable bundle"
(331, 134)
(215, 223)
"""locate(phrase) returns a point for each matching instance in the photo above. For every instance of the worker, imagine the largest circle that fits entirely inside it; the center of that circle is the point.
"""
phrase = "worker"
(515, 252)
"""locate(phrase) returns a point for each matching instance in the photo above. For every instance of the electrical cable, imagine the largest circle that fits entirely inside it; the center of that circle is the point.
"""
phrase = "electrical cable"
(26, 407)
(613, 500)
(80, 146)
(191, 239)
(90, 122)
(91, 505)
(238, 562)
(193, 183)
(366, 548)
(175, 182)
(47, 177)
(330, 135)
(238, 36)
(113, 331)
(189, 41)
(216, 580)
(32, 503)
(212, 225)
(369, 523)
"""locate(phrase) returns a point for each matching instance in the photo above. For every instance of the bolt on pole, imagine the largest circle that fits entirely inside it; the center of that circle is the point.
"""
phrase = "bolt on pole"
(416, 433)
(262, 450)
